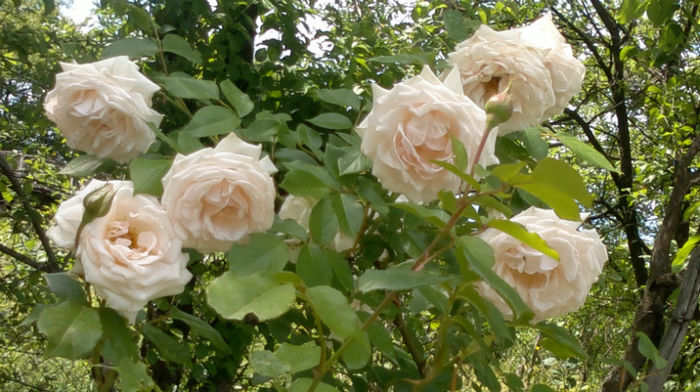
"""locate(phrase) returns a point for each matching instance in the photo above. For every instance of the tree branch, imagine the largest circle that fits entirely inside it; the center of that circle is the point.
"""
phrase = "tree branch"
(34, 216)
(26, 259)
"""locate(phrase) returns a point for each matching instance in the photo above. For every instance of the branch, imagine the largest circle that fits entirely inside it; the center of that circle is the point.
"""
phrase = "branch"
(25, 259)
(34, 216)
(587, 131)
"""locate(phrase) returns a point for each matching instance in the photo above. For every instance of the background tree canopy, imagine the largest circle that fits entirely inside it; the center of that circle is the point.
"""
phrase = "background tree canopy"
(295, 76)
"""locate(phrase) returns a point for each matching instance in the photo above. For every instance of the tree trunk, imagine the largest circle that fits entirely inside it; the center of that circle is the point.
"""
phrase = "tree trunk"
(678, 324)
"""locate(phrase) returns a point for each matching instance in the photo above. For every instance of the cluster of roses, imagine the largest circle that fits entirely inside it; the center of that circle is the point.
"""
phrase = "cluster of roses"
(211, 198)
(216, 197)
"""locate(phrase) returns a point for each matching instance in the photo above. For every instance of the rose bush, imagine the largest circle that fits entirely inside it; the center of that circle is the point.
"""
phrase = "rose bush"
(104, 108)
(534, 61)
(549, 287)
(218, 196)
(412, 124)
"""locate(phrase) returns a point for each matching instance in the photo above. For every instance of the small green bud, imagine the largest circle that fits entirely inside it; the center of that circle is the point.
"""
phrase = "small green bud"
(97, 203)
(499, 108)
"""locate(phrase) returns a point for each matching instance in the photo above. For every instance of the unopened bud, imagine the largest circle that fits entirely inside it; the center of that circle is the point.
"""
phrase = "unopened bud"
(97, 203)
(499, 108)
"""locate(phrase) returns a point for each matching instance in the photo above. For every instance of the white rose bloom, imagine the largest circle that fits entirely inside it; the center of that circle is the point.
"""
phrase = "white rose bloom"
(411, 125)
(104, 108)
(549, 287)
(534, 60)
(218, 196)
(69, 215)
(132, 254)
(299, 209)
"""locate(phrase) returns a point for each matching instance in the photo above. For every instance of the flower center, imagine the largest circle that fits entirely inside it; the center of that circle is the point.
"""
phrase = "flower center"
(423, 138)
(132, 244)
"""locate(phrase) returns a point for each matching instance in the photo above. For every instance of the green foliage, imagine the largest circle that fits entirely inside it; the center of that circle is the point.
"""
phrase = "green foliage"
(284, 310)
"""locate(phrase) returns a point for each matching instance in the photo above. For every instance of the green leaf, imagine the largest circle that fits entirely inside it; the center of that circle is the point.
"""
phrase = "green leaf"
(514, 383)
(661, 11)
(560, 342)
(202, 329)
(173, 43)
(299, 358)
(461, 160)
(381, 340)
(147, 173)
(349, 212)
(333, 309)
(72, 330)
(647, 348)
(492, 314)
(309, 181)
(118, 341)
(133, 376)
(82, 166)
(140, 18)
(563, 177)
(240, 100)
(266, 363)
(341, 97)
(458, 28)
(263, 252)
(562, 204)
(628, 52)
(684, 252)
(168, 347)
(331, 121)
(507, 171)
(631, 10)
(66, 287)
(494, 204)
(352, 162)
(585, 152)
(183, 86)
(233, 297)
(133, 47)
(395, 278)
(358, 352)
(212, 120)
(519, 231)
(34, 315)
(485, 374)
(479, 255)
(303, 385)
(542, 388)
(435, 217)
(313, 266)
(535, 145)
(323, 222)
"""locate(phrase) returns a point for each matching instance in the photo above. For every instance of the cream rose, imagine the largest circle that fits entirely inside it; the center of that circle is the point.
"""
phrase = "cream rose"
(549, 287)
(299, 209)
(218, 196)
(132, 254)
(534, 60)
(104, 108)
(69, 215)
(411, 125)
